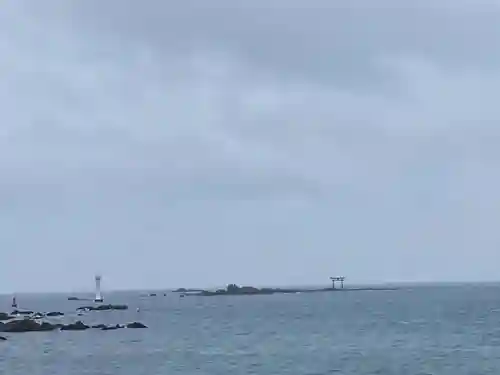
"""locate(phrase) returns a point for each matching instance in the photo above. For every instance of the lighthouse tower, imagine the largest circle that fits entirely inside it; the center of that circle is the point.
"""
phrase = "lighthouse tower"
(98, 295)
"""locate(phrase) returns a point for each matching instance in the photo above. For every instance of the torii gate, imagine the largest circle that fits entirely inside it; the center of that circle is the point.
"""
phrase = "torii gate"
(338, 278)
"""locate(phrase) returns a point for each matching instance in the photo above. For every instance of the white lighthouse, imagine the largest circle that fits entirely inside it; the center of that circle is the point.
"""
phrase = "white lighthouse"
(98, 295)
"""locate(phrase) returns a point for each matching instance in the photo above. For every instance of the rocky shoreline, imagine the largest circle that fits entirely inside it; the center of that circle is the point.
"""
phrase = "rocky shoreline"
(31, 325)
(29, 321)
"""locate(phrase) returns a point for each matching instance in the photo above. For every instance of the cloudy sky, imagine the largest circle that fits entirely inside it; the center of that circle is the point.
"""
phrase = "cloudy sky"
(194, 143)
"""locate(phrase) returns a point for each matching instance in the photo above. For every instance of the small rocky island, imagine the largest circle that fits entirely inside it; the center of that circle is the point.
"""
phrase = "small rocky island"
(71, 298)
(235, 290)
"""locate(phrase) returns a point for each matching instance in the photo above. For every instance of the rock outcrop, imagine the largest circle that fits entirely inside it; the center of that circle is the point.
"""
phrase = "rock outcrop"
(28, 315)
(30, 325)
(22, 312)
(54, 313)
(78, 326)
(79, 299)
(26, 325)
(5, 316)
(102, 308)
(233, 289)
(3, 338)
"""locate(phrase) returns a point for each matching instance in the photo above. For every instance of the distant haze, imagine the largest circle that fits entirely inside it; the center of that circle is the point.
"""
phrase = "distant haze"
(194, 143)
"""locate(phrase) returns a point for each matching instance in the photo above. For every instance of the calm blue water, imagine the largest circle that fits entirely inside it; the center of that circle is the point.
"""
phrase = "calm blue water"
(424, 330)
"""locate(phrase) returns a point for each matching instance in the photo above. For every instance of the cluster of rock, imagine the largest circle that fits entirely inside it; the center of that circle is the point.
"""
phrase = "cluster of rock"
(104, 327)
(103, 308)
(5, 316)
(39, 315)
(233, 289)
(30, 321)
(30, 325)
(27, 325)
(30, 314)
(72, 298)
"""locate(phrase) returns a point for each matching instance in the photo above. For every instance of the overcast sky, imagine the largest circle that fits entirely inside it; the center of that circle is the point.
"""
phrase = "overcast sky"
(195, 143)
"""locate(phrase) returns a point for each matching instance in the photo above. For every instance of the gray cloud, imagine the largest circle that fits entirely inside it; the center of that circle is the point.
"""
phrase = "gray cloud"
(248, 142)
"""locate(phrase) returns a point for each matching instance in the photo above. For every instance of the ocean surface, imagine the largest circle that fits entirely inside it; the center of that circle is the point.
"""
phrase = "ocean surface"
(445, 330)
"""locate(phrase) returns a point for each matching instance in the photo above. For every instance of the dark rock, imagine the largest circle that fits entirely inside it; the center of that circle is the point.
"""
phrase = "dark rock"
(136, 325)
(3, 338)
(54, 313)
(78, 326)
(26, 325)
(152, 294)
(104, 327)
(233, 289)
(20, 312)
(79, 299)
(103, 308)
(85, 308)
(5, 316)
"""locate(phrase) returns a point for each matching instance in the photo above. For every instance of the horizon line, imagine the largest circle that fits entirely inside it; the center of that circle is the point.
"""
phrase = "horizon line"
(170, 289)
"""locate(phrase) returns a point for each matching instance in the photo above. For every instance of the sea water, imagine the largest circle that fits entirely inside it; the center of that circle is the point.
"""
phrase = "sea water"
(445, 330)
